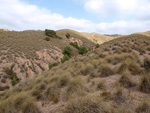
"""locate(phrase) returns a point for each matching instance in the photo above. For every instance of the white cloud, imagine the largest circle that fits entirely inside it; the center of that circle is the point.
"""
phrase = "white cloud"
(16, 15)
(138, 8)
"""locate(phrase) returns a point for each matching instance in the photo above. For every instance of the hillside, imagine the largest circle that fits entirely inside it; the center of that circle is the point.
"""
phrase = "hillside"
(114, 78)
(94, 37)
(147, 33)
(98, 38)
(26, 53)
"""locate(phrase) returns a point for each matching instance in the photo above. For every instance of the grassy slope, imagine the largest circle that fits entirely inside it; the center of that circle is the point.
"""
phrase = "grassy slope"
(28, 42)
(94, 37)
(18, 53)
(97, 38)
(112, 79)
(147, 33)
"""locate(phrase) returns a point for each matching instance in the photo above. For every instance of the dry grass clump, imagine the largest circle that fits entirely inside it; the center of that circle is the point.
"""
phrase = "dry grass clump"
(106, 70)
(94, 74)
(144, 85)
(86, 69)
(118, 95)
(21, 102)
(52, 91)
(130, 65)
(75, 88)
(64, 80)
(125, 81)
(87, 104)
(147, 63)
(100, 85)
(105, 94)
(143, 108)
(119, 58)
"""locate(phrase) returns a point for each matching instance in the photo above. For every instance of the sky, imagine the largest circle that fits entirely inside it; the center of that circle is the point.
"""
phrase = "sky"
(101, 16)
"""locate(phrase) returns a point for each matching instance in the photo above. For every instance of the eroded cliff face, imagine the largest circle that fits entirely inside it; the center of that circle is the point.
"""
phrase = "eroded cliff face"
(22, 67)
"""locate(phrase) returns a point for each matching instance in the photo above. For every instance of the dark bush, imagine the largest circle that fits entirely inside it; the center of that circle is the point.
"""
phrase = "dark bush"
(67, 51)
(65, 58)
(14, 81)
(82, 50)
(50, 33)
(59, 37)
(74, 44)
(68, 35)
(53, 64)
(47, 38)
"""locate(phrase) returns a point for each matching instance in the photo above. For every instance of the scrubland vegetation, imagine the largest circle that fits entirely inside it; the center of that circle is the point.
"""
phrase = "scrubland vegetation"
(114, 78)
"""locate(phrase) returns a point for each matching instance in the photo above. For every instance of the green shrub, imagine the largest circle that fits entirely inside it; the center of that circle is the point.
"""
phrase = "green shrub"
(65, 58)
(50, 33)
(68, 35)
(47, 38)
(74, 44)
(82, 50)
(59, 37)
(67, 51)
(14, 81)
(53, 64)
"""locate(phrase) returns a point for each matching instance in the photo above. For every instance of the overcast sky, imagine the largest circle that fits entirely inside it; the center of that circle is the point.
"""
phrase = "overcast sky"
(101, 16)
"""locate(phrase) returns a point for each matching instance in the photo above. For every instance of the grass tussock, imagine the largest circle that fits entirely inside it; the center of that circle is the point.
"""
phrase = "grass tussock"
(86, 69)
(75, 88)
(143, 108)
(126, 81)
(21, 102)
(118, 96)
(144, 85)
(87, 104)
(106, 70)
(130, 65)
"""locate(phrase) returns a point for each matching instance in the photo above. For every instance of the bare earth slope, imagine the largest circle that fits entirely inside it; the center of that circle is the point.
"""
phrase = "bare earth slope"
(114, 78)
